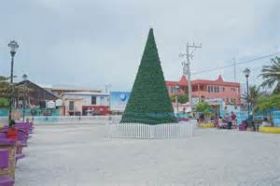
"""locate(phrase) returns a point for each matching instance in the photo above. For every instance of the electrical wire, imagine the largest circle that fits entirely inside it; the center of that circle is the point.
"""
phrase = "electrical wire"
(239, 63)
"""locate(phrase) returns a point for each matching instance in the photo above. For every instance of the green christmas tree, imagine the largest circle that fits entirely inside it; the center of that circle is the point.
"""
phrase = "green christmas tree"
(149, 102)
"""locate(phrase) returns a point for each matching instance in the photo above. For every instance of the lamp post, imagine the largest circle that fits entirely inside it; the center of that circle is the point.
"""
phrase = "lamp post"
(24, 77)
(247, 73)
(13, 49)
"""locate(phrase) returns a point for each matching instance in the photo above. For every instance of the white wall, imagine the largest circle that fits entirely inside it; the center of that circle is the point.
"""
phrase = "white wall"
(86, 99)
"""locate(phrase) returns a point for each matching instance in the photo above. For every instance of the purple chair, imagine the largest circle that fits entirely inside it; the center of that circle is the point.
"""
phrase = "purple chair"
(21, 142)
(4, 156)
(25, 125)
(22, 137)
(19, 156)
(6, 141)
(2, 135)
(243, 126)
(5, 180)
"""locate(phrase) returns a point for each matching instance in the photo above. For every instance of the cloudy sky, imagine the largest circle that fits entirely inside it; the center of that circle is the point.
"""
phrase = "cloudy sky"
(90, 43)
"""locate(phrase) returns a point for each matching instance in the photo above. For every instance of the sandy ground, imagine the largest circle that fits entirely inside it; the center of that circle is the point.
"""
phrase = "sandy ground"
(82, 155)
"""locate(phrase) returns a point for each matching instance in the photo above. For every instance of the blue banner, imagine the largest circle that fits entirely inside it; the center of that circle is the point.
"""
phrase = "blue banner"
(118, 100)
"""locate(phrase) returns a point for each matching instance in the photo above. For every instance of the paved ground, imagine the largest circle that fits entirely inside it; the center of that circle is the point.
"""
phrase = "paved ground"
(82, 155)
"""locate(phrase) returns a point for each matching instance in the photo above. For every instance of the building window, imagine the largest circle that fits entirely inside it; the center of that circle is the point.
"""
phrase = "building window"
(216, 89)
(224, 89)
(174, 90)
(93, 100)
(71, 105)
(232, 89)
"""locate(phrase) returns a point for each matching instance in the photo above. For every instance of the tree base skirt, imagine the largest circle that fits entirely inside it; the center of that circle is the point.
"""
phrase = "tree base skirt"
(271, 130)
(159, 131)
(206, 125)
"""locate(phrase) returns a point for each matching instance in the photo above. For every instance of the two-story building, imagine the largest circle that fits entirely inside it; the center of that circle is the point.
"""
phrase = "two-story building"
(229, 92)
(81, 101)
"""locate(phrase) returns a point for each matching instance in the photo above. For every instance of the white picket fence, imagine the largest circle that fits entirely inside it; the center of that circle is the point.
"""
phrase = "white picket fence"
(139, 130)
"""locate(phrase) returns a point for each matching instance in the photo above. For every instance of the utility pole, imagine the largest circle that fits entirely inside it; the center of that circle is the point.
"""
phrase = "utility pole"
(187, 66)
(107, 88)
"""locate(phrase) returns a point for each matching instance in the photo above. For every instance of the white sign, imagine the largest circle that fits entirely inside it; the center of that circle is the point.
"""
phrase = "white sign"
(58, 102)
(50, 104)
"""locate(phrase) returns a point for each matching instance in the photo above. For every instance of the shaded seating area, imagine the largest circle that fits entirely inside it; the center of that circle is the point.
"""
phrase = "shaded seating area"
(12, 141)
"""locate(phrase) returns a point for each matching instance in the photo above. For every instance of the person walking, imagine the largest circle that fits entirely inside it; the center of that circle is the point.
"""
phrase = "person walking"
(228, 120)
(233, 119)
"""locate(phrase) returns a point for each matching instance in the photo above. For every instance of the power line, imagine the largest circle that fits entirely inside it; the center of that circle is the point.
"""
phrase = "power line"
(239, 63)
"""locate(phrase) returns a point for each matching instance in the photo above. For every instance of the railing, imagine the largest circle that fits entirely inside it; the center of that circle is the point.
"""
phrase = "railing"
(276, 118)
(241, 116)
(260, 116)
(75, 119)
(138, 130)
(3, 120)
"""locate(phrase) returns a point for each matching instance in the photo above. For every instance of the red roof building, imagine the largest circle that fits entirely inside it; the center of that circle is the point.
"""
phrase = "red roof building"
(207, 89)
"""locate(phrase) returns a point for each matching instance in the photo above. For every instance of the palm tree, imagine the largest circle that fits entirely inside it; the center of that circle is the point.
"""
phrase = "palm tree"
(254, 94)
(271, 75)
(252, 98)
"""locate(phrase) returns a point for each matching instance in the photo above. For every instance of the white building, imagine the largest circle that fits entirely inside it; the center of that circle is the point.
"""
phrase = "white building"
(82, 101)
(85, 103)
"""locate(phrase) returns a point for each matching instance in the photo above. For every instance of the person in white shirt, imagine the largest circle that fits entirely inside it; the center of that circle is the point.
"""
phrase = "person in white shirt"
(265, 123)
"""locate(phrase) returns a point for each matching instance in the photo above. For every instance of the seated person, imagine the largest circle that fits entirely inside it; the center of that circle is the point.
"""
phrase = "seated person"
(228, 120)
(265, 123)
(221, 123)
(12, 131)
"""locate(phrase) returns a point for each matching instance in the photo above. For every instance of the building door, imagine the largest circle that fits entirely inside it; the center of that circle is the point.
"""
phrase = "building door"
(93, 100)
(71, 105)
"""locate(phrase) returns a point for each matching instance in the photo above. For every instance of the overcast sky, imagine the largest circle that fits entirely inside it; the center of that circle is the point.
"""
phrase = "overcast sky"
(91, 43)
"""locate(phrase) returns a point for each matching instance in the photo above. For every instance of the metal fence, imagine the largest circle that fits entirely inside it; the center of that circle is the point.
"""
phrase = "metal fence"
(76, 119)
(276, 118)
(69, 119)
(241, 116)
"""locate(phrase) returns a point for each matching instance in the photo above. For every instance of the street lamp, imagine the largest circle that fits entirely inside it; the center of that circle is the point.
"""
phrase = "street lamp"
(13, 49)
(24, 77)
(247, 73)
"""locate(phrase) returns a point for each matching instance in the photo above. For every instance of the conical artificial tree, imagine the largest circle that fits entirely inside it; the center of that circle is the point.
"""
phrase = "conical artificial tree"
(149, 102)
